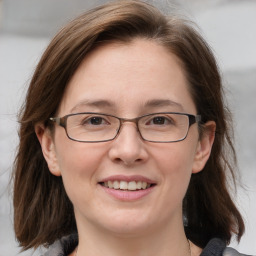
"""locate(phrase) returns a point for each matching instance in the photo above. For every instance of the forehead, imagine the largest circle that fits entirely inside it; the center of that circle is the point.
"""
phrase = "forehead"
(127, 76)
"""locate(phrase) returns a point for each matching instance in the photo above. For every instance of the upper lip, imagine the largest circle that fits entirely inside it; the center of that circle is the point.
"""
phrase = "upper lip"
(128, 178)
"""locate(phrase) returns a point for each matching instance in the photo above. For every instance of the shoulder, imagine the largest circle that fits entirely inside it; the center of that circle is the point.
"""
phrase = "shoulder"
(232, 252)
(217, 247)
(62, 247)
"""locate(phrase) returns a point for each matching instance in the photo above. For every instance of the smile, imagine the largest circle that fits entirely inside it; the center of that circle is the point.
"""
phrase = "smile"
(127, 188)
(125, 185)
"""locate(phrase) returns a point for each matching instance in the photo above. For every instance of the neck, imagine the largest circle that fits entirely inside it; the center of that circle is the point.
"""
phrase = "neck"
(160, 242)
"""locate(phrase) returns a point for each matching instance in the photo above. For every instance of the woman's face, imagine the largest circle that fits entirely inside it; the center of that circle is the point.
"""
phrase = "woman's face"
(127, 80)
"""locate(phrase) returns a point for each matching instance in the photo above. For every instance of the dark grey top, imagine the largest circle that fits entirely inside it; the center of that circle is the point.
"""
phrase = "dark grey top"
(215, 247)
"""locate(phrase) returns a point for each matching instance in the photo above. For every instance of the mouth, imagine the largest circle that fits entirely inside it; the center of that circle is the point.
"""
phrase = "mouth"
(127, 185)
(127, 188)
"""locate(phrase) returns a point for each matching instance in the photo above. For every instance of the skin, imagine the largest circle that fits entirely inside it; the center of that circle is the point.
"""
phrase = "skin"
(128, 76)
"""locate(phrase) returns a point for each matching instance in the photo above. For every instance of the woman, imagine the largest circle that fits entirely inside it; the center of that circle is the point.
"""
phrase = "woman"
(125, 141)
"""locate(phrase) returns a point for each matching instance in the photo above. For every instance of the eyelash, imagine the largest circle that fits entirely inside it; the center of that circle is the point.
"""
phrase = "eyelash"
(89, 119)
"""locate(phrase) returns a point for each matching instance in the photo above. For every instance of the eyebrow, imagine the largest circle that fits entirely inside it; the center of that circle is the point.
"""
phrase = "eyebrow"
(163, 103)
(101, 103)
(93, 103)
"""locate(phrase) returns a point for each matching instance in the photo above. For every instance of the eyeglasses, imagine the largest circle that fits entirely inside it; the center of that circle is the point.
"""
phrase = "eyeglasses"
(157, 127)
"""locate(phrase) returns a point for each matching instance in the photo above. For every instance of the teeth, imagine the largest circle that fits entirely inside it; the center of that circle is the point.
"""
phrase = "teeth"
(139, 185)
(109, 184)
(116, 184)
(132, 185)
(124, 185)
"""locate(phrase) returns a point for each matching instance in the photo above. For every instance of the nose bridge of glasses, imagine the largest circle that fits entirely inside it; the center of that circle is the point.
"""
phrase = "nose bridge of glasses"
(129, 120)
(133, 121)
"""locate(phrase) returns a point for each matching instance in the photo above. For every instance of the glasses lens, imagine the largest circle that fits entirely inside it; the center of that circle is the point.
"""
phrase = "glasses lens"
(164, 127)
(89, 127)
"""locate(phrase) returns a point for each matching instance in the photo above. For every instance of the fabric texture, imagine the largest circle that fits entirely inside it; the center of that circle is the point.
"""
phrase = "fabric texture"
(63, 247)
(67, 244)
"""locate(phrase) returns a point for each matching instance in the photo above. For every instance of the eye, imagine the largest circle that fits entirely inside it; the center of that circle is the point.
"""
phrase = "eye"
(159, 120)
(94, 121)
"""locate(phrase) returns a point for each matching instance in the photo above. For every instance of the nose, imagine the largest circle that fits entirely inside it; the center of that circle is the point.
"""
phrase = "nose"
(128, 148)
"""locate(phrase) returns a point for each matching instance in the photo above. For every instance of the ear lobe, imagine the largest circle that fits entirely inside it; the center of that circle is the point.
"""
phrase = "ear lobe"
(48, 148)
(204, 147)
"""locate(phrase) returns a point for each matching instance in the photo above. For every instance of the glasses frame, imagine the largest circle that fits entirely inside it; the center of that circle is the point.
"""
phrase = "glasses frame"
(62, 121)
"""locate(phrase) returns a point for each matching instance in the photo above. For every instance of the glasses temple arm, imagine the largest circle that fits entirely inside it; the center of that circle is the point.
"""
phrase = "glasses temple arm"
(58, 120)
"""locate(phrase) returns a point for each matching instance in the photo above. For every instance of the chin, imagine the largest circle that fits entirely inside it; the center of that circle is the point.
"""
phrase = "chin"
(126, 230)
(128, 223)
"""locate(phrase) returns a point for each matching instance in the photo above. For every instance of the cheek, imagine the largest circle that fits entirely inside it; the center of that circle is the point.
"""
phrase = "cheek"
(175, 162)
(75, 158)
(78, 163)
(174, 158)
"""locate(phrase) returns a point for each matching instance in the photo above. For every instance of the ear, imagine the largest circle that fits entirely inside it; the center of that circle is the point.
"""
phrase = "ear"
(204, 146)
(48, 148)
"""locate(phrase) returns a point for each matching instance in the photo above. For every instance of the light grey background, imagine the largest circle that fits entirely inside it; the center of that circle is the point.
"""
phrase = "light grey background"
(26, 27)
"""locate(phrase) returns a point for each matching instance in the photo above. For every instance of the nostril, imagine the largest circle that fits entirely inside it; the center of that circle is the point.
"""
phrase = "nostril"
(131, 161)
(118, 160)
(127, 161)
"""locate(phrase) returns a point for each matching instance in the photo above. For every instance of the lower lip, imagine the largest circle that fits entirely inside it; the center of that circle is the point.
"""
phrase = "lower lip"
(125, 195)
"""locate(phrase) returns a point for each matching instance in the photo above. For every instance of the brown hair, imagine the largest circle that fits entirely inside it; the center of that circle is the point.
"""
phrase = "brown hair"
(42, 210)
